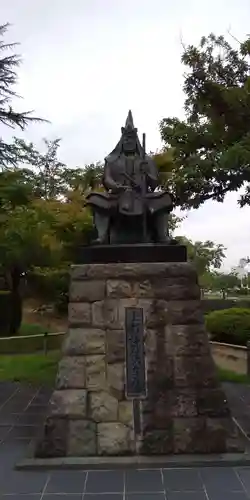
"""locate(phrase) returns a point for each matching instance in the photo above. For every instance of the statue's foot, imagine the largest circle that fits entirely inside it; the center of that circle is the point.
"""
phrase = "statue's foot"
(165, 240)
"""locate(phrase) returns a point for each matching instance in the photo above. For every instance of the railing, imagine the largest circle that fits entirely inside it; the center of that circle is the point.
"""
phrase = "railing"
(228, 356)
(31, 343)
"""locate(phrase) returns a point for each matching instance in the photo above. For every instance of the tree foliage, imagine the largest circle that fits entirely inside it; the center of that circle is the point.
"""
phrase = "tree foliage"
(211, 147)
(42, 208)
(205, 255)
(15, 191)
(225, 281)
(218, 281)
(9, 153)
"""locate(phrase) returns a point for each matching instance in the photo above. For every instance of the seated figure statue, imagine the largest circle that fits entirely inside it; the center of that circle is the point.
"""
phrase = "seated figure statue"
(131, 210)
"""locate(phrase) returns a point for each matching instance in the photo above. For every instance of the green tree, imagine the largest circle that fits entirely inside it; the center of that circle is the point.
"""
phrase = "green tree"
(43, 232)
(88, 178)
(211, 147)
(9, 153)
(50, 178)
(16, 188)
(225, 281)
(14, 191)
(206, 281)
(48, 171)
(219, 282)
(205, 255)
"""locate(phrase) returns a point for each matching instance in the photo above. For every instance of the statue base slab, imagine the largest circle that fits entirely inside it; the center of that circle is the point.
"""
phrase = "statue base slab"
(184, 409)
(145, 252)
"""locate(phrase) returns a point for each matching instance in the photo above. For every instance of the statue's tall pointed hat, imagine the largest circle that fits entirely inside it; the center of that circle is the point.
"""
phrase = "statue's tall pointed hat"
(129, 124)
(129, 127)
(129, 121)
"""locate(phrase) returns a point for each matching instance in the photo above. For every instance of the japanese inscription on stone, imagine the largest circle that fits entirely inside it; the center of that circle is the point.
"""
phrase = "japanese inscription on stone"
(135, 359)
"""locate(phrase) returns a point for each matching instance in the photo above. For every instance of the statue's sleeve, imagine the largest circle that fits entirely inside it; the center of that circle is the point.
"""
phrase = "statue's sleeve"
(152, 174)
(108, 181)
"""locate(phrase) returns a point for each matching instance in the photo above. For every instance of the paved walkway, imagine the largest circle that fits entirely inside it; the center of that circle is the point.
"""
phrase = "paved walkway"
(21, 412)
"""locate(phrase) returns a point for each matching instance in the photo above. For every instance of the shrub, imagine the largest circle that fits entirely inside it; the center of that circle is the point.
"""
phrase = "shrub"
(52, 285)
(231, 326)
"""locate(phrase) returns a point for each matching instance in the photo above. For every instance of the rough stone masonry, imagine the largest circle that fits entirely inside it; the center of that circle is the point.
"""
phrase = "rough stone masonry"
(185, 410)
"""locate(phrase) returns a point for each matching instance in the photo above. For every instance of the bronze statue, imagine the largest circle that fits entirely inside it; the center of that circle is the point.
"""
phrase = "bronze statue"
(131, 210)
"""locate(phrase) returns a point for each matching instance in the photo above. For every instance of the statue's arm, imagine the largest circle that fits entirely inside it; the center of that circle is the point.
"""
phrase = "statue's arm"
(108, 181)
(152, 175)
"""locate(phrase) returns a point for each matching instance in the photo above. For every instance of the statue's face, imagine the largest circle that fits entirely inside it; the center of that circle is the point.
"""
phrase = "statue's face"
(129, 142)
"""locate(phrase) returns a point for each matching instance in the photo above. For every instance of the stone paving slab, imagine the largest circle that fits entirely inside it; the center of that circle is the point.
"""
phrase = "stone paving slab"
(200, 483)
(18, 404)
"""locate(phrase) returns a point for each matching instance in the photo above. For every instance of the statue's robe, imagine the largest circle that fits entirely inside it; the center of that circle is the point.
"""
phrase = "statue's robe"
(128, 171)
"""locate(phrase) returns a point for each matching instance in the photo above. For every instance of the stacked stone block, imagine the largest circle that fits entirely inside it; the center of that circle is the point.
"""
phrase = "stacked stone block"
(185, 410)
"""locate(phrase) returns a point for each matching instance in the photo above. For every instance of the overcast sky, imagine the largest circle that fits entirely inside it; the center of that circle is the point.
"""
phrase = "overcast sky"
(86, 62)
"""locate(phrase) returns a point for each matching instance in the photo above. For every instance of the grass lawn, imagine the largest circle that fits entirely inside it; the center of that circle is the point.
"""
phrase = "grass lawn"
(39, 369)
(30, 340)
(36, 369)
(32, 329)
(228, 376)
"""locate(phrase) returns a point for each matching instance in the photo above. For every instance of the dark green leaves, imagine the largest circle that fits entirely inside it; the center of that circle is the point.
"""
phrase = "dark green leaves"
(212, 146)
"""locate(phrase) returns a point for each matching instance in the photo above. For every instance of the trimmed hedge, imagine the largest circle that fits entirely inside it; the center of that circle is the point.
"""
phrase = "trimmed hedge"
(209, 305)
(231, 326)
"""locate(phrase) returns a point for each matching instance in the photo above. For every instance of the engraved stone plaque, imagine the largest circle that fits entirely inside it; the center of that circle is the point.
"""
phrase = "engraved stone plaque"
(135, 359)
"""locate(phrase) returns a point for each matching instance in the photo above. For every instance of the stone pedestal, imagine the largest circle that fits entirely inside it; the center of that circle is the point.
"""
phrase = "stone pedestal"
(185, 410)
